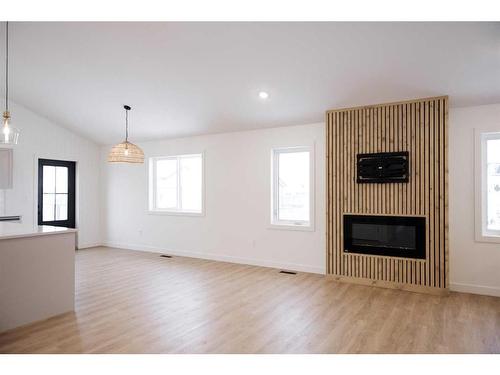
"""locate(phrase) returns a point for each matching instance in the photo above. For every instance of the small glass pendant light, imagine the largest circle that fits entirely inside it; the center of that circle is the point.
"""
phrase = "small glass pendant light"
(9, 134)
(126, 152)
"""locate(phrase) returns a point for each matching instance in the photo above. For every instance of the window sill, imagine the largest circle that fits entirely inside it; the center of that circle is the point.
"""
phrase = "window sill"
(175, 213)
(488, 238)
(303, 228)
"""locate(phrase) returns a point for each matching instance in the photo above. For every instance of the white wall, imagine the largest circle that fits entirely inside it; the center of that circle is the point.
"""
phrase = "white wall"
(41, 138)
(474, 266)
(236, 222)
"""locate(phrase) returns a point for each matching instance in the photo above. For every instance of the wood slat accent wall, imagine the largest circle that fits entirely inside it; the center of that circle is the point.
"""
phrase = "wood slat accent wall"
(420, 127)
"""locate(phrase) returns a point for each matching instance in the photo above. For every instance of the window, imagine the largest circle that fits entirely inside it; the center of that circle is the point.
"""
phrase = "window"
(176, 184)
(490, 185)
(292, 192)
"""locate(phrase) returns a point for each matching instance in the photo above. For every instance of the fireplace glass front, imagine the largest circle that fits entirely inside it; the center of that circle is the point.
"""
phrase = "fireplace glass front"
(399, 236)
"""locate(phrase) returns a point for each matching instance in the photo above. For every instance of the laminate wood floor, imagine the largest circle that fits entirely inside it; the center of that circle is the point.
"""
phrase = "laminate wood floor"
(137, 302)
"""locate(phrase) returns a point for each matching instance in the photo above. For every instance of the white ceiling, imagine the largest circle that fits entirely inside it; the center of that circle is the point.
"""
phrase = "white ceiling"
(195, 78)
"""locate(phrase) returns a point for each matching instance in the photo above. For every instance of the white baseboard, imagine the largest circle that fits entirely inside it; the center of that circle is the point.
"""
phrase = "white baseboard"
(475, 289)
(88, 245)
(220, 257)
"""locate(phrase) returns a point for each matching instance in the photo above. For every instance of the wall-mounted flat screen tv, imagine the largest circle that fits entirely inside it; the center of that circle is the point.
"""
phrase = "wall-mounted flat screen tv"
(383, 167)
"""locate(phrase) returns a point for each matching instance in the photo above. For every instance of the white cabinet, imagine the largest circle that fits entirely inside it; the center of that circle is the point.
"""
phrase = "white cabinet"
(6, 168)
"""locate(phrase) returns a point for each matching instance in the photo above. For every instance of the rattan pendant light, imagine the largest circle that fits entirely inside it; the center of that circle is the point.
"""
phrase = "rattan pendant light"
(126, 152)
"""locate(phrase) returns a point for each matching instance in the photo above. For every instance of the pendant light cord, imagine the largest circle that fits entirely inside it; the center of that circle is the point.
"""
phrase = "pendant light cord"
(7, 66)
(126, 125)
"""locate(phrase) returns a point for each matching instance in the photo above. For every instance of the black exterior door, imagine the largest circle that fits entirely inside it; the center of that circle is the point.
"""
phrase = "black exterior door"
(56, 193)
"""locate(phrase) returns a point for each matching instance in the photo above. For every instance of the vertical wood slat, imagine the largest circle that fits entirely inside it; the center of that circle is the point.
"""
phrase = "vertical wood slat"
(437, 161)
(339, 192)
(338, 209)
(419, 127)
(431, 211)
(443, 188)
(330, 191)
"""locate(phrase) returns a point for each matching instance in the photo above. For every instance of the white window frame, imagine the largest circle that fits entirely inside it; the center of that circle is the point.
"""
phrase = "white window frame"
(482, 233)
(291, 224)
(152, 209)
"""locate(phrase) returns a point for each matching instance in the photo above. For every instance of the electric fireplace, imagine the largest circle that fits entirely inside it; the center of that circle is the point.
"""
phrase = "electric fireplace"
(397, 236)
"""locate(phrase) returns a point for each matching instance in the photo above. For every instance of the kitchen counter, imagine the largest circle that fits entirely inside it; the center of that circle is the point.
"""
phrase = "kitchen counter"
(16, 230)
(37, 273)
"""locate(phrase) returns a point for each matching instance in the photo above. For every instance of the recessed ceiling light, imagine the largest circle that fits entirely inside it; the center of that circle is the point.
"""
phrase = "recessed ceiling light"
(263, 95)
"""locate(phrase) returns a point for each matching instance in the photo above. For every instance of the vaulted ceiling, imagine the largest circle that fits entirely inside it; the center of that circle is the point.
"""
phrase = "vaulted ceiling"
(184, 79)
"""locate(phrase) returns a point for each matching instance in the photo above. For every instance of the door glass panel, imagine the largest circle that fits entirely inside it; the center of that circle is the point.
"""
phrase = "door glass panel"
(48, 206)
(49, 179)
(61, 179)
(61, 206)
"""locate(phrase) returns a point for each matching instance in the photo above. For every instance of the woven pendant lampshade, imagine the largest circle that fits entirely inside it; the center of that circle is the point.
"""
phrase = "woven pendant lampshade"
(126, 152)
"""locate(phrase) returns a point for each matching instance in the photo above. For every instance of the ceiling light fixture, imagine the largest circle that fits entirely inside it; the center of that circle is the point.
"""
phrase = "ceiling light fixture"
(9, 134)
(263, 95)
(126, 152)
